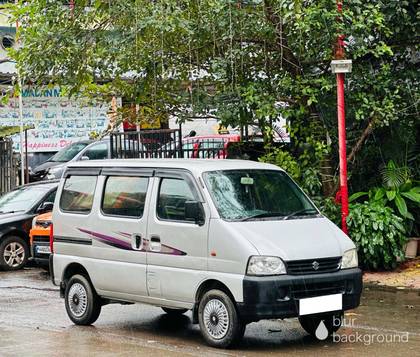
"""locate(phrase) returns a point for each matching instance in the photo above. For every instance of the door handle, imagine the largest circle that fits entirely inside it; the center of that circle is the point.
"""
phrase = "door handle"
(136, 241)
(155, 245)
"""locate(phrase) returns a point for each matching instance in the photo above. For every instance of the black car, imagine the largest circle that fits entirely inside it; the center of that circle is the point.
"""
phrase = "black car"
(17, 210)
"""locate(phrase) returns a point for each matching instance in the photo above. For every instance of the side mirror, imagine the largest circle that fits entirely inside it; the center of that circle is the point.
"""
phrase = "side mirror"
(194, 212)
(84, 158)
(45, 207)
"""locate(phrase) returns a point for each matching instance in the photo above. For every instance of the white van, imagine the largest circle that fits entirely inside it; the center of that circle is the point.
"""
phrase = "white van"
(234, 241)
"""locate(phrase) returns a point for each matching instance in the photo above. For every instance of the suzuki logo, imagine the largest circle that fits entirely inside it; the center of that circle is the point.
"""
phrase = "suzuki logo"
(315, 265)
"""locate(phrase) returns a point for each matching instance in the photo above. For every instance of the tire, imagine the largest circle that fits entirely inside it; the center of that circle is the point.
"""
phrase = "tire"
(332, 322)
(174, 312)
(83, 305)
(219, 321)
(14, 253)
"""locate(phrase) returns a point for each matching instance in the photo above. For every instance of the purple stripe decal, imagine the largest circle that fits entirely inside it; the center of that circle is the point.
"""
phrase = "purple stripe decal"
(121, 244)
(115, 242)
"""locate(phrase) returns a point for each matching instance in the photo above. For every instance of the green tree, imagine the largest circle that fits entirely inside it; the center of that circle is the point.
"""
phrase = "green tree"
(243, 61)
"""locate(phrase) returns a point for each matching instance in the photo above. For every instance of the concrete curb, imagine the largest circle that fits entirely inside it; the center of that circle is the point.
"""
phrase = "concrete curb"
(379, 287)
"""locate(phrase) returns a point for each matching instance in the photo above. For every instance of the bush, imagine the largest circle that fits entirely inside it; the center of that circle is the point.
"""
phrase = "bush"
(378, 233)
(329, 208)
(399, 192)
(284, 160)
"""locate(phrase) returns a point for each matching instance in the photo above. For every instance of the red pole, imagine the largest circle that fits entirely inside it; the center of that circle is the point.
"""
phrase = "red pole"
(342, 151)
(341, 116)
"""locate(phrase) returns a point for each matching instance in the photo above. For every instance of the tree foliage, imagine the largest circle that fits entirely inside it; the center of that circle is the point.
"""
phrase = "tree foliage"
(243, 61)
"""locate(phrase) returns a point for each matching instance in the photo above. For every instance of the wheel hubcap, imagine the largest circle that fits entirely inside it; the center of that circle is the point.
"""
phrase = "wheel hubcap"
(77, 299)
(216, 319)
(14, 254)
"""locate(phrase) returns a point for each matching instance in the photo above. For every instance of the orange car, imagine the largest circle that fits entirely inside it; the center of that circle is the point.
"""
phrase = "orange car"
(40, 238)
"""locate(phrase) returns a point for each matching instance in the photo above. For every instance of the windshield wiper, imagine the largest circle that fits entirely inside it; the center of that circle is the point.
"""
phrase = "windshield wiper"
(4, 212)
(263, 215)
(305, 210)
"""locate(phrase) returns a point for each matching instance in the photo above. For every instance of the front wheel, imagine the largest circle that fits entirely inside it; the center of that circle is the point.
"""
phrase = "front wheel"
(219, 321)
(14, 252)
(321, 326)
(82, 304)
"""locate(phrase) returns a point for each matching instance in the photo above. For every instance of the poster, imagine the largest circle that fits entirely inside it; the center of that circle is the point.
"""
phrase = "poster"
(57, 120)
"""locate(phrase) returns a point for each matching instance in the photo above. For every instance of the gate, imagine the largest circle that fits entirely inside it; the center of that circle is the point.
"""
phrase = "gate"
(7, 169)
(146, 144)
(166, 143)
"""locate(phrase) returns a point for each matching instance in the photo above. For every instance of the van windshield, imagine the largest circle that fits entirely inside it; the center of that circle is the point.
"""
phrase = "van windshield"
(243, 195)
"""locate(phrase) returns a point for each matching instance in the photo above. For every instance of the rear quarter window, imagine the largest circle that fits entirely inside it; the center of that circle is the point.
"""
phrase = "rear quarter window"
(77, 195)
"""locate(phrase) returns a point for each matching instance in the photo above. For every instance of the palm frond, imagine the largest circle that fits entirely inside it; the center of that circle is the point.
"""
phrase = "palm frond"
(394, 176)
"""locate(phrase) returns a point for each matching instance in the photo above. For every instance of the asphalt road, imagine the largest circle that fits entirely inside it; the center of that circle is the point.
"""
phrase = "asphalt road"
(33, 322)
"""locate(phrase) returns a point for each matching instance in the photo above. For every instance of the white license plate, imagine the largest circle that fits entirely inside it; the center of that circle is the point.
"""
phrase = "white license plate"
(43, 249)
(319, 304)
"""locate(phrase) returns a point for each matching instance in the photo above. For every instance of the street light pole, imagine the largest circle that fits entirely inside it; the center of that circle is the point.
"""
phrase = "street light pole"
(22, 158)
(340, 66)
(22, 150)
(342, 150)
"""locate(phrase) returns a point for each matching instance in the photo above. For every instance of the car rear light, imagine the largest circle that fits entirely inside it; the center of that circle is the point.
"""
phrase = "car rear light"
(52, 238)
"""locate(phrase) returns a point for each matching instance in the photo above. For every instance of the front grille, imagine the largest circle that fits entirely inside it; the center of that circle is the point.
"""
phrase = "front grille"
(41, 238)
(313, 266)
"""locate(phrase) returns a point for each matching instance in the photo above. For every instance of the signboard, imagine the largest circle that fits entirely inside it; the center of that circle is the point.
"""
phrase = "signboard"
(57, 120)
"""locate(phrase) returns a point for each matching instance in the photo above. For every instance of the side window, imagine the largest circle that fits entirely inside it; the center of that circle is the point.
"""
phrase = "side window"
(124, 196)
(97, 152)
(173, 193)
(77, 195)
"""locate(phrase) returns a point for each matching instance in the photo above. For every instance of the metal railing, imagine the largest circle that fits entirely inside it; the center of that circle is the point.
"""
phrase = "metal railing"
(165, 143)
(7, 168)
(142, 144)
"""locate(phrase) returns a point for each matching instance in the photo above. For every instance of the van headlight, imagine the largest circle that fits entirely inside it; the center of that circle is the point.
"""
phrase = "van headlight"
(350, 259)
(263, 265)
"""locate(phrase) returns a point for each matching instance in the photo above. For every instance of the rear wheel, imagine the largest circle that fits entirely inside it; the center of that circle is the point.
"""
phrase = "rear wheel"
(14, 252)
(219, 321)
(321, 326)
(174, 312)
(83, 305)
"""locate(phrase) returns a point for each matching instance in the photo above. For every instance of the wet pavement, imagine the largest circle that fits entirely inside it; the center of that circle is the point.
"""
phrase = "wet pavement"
(33, 322)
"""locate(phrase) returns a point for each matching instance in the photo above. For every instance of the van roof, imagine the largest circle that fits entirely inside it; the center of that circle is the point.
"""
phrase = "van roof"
(194, 165)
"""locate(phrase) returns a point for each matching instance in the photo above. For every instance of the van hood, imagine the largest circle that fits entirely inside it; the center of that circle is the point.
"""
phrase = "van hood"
(295, 239)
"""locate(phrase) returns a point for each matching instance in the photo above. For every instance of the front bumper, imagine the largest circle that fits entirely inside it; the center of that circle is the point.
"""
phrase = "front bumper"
(278, 296)
(40, 258)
